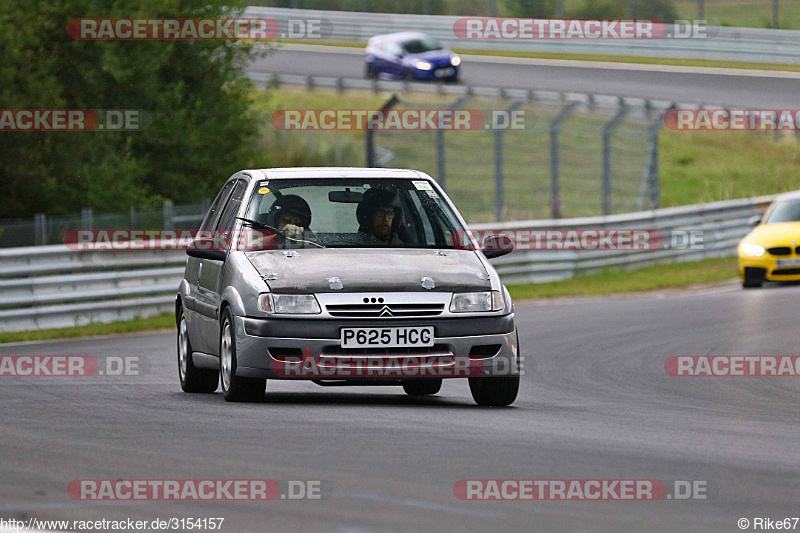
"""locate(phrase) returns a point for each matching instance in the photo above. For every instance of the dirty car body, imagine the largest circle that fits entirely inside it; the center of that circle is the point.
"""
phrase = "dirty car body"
(342, 303)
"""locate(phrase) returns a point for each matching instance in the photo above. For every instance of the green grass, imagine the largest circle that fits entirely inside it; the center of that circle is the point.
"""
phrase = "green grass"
(165, 321)
(639, 60)
(622, 281)
(743, 13)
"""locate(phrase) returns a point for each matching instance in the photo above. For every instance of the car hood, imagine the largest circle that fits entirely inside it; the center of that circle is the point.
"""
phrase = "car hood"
(361, 270)
(778, 234)
(436, 57)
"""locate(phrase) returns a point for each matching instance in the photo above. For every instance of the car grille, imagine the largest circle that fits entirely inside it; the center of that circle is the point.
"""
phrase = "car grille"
(384, 310)
(786, 272)
(780, 250)
(435, 350)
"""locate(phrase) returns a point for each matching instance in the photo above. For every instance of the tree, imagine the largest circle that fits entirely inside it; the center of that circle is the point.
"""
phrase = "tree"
(195, 94)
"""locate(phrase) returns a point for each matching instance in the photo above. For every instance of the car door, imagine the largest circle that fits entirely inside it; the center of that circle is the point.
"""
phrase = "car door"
(210, 277)
(194, 265)
(395, 60)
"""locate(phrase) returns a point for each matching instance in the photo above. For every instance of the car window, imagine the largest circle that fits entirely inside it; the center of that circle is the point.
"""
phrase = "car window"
(219, 202)
(419, 46)
(354, 212)
(786, 211)
(228, 218)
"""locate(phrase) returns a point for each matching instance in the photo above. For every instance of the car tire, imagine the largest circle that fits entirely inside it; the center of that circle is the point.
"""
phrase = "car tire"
(422, 387)
(494, 391)
(752, 280)
(235, 388)
(192, 379)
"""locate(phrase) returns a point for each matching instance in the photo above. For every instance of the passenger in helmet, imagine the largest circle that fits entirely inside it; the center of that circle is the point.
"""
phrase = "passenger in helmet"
(380, 216)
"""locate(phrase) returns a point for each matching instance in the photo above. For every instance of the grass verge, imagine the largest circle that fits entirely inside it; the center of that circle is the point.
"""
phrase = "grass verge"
(674, 275)
(164, 321)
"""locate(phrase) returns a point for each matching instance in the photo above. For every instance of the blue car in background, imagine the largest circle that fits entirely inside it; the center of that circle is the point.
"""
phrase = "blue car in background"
(410, 56)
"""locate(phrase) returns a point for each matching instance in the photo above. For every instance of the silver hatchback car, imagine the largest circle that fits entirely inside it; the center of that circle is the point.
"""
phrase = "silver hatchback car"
(343, 276)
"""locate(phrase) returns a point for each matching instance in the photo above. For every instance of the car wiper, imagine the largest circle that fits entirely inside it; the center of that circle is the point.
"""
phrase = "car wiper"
(279, 232)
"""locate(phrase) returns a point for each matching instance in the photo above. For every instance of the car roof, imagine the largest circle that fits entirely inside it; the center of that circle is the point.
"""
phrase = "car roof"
(337, 172)
(399, 36)
(794, 195)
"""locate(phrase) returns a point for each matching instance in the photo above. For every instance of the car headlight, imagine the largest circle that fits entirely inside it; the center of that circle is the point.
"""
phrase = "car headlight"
(753, 250)
(288, 304)
(423, 65)
(472, 302)
(455, 61)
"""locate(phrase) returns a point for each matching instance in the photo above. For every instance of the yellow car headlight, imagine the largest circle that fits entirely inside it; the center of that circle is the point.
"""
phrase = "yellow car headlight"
(752, 250)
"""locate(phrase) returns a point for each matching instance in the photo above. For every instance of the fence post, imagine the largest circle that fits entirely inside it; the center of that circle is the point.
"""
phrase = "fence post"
(369, 134)
(498, 163)
(701, 10)
(775, 14)
(40, 229)
(133, 217)
(87, 218)
(608, 128)
(441, 171)
(555, 202)
(167, 212)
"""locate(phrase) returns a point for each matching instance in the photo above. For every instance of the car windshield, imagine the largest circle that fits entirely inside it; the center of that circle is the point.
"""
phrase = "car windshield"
(419, 46)
(357, 213)
(786, 211)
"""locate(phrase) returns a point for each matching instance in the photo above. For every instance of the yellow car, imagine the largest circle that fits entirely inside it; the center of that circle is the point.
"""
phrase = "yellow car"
(771, 252)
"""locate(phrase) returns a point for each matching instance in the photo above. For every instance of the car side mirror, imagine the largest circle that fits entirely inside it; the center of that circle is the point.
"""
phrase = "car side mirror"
(206, 248)
(496, 245)
(754, 221)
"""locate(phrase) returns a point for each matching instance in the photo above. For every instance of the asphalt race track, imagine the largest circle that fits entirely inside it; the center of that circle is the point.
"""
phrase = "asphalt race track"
(729, 87)
(595, 403)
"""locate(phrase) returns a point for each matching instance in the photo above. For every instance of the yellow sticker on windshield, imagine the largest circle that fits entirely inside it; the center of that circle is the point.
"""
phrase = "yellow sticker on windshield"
(263, 190)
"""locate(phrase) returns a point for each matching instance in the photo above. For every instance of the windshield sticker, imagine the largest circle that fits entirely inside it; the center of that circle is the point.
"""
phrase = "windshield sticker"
(422, 186)
(432, 194)
(263, 190)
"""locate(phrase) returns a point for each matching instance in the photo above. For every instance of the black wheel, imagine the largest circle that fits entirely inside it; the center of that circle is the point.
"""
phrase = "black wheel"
(494, 391)
(193, 379)
(235, 388)
(752, 279)
(422, 387)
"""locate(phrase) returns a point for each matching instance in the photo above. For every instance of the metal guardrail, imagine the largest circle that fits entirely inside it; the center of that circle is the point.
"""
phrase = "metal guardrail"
(733, 44)
(53, 286)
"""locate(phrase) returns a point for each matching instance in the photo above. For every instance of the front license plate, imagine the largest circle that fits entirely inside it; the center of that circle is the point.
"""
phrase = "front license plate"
(788, 262)
(387, 337)
(442, 72)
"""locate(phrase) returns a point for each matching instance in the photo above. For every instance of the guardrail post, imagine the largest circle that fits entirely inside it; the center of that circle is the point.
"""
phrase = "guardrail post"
(608, 128)
(369, 134)
(555, 124)
(701, 10)
(87, 218)
(40, 229)
(498, 163)
(167, 211)
(775, 14)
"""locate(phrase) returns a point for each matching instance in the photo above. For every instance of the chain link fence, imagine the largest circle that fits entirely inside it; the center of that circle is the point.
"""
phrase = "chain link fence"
(571, 158)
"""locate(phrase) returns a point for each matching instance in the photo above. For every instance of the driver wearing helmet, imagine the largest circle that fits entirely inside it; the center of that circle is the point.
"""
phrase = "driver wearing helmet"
(379, 216)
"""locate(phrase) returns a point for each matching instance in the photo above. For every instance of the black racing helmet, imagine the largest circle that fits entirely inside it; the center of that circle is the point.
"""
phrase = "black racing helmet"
(377, 197)
(291, 204)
